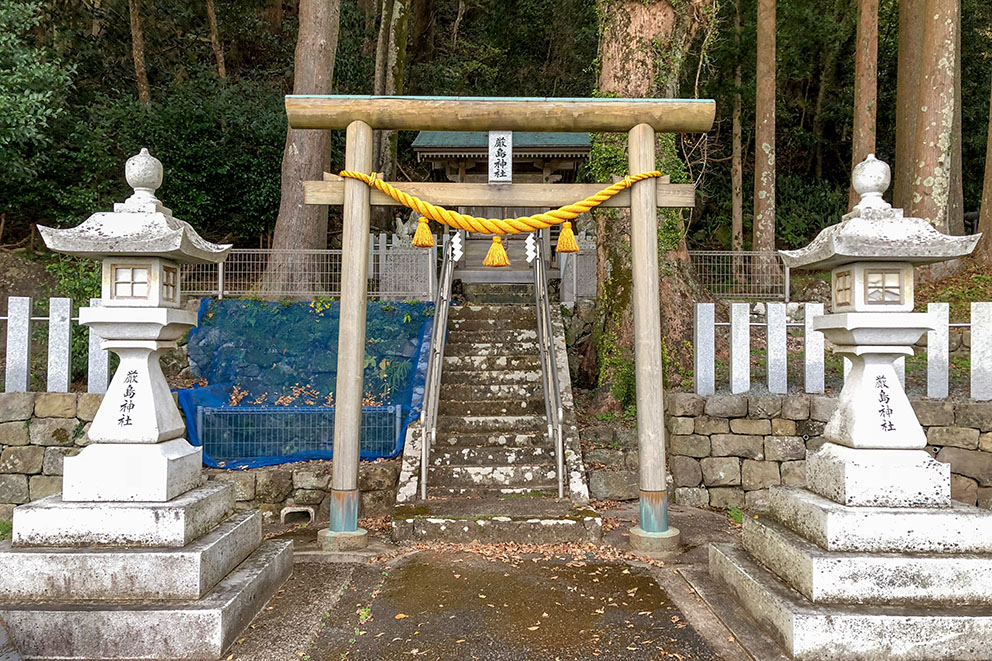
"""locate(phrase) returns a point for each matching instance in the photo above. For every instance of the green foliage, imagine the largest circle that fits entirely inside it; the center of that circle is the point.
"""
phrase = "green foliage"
(735, 515)
(6, 527)
(33, 84)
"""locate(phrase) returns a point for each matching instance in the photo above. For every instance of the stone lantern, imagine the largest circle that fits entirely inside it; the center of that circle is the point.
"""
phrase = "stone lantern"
(138, 557)
(137, 451)
(872, 559)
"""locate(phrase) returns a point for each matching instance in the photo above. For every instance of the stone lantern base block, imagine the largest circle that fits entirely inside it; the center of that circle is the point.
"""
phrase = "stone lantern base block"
(813, 632)
(201, 629)
(124, 574)
(957, 529)
(865, 578)
(124, 472)
(55, 523)
(878, 478)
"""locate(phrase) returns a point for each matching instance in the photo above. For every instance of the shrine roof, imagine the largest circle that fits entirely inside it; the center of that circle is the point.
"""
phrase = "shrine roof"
(526, 144)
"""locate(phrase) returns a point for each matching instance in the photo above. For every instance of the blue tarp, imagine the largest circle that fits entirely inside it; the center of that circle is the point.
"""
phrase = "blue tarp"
(271, 374)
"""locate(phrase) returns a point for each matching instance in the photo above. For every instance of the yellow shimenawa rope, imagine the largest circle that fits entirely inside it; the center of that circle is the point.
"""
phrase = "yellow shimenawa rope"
(495, 225)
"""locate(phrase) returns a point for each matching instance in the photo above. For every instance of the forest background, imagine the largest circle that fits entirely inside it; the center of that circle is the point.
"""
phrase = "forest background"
(217, 71)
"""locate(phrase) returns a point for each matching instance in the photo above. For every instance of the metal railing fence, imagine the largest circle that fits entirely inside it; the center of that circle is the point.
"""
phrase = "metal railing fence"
(549, 365)
(742, 274)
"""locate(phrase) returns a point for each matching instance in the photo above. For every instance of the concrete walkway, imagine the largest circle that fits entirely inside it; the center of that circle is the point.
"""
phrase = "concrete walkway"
(503, 602)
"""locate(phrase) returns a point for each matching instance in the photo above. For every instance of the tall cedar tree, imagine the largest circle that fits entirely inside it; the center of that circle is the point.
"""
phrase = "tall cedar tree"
(306, 156)
(764, 143)
(865, 85)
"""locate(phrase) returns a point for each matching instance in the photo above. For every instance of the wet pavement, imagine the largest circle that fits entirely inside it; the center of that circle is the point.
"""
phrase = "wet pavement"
(434, 605)
(506, 602)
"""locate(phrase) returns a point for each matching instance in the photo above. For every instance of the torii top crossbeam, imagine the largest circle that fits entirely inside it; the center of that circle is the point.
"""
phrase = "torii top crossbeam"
(446, 113)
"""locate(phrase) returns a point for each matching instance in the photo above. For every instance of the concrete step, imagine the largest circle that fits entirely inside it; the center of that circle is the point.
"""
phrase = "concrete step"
(959, 528)
(491, 456)
(495, 311)
(529, 378)
(529, 476)
(115, 574)
(823, 632)
(477, 493)
(458, 325)
(493, 336)
(523, 520)
(487, 424)
(493, 364)
(55, 523)
(201, 629)
(466, 392)
(489, 407)
(493, 439)
(494, 349)
(866, 578)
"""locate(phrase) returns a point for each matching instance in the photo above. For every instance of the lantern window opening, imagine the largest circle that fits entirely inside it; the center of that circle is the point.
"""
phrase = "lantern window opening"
(130, 281)
(170, 280)
(843, 289)
(883, 287)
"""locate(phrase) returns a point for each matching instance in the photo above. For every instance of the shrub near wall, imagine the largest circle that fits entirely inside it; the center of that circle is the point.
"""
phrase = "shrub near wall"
(727, 450)
(38, 430)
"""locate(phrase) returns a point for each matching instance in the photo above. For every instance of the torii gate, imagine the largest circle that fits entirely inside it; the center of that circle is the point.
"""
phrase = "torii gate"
(641, 118)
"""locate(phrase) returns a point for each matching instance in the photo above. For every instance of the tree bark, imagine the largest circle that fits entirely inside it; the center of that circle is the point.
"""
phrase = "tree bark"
(911, 22)
(215, 40)
(390, 77)
(934, 124)
(865, 86)
(307, 153)
(273, 16)
(736, 160)
(642, 49)
(138, 53)
(955, 204)
(983, 252)
(764, 144)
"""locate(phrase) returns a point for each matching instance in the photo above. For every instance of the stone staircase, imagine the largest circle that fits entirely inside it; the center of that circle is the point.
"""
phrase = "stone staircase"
(492, 472)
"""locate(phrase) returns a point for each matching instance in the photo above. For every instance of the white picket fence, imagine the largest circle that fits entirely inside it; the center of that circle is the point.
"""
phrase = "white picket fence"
(776, 327)
(20, 327)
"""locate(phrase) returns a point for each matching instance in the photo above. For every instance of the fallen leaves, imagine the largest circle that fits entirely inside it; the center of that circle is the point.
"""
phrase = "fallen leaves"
(400, 616)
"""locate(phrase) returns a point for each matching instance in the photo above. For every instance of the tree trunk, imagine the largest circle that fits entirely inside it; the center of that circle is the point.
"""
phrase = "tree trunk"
(390, 72)
(764, 145)
(911, 22)
(934, 124)
(955, 204)
(307, 153)
(273, 16)
(138, 53)
(865, 86)
(642, 48)
(983, 252)
(736, 161)
(215, 40)
(827, 75)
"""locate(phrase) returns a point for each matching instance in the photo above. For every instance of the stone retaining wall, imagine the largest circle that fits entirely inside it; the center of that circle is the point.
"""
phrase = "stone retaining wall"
(726, 450)
(38, 430)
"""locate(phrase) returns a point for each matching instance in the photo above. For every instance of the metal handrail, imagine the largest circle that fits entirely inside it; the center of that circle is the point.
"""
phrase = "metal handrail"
(549, 363)
(432, 384)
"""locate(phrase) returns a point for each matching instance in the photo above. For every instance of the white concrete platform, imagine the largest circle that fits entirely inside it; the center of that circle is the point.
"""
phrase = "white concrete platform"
(863, 578)
(201, 629)
(132, 472)
(851, 633)
(956, 529)
(53, 522)
(878, 478)
(114, 574)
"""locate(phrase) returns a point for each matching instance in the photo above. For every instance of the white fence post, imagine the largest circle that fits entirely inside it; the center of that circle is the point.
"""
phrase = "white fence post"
(938, 353)
(703, 348)
(18, 372)
(98, 363)
(813, 340)
(778, 378)
(981, 351)
(59, 344)
(740, 347)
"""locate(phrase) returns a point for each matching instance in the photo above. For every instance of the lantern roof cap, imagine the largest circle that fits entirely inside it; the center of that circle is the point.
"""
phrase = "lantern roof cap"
(874, 231)
(141, 226)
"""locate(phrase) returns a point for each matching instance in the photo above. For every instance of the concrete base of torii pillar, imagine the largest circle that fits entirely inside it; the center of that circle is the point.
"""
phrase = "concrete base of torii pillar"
(872, 561)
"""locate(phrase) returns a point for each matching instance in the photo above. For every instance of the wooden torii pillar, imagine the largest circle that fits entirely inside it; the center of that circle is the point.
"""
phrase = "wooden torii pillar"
(642, 119)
